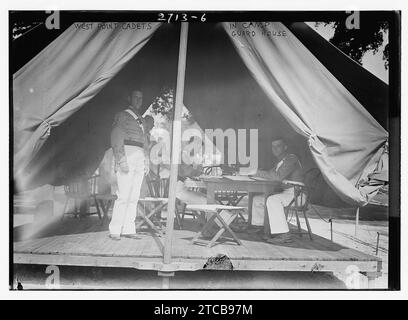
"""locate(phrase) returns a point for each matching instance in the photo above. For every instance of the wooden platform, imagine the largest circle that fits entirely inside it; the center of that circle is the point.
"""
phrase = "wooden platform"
(85, 242)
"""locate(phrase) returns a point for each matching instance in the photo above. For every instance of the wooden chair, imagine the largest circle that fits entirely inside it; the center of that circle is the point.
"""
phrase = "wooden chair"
(181, 207)
(231, 198)
(299, 204)
(215, 210)
(151, 207)
(158, 201)
(79, 193)
(158, 187)
(103, 199)
(84, 193)
(303, 195)
(180, 213)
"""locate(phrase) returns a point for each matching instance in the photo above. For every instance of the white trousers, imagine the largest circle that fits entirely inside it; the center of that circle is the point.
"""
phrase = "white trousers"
(276, 214)
(129, 185)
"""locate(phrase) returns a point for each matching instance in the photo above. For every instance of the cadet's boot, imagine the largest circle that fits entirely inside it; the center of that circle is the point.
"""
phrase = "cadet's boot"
(131, 236)
(115, 237)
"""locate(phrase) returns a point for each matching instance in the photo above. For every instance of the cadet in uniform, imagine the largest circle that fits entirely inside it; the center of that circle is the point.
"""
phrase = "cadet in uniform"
(288, 167)
(130, 145)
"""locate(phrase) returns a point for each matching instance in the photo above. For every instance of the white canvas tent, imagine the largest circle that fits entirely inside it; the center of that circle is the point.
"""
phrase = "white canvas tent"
(56, 96)
(346, 142)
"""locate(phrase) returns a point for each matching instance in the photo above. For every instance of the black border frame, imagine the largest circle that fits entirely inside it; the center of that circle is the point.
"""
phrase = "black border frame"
(394, 120)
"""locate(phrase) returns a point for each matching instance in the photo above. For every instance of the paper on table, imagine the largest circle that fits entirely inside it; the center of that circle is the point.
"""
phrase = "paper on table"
(246, 171)
(239, 178)
(209, 177)
(259, 179)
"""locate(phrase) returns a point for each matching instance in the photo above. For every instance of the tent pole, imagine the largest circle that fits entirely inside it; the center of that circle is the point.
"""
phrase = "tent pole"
(176, 142)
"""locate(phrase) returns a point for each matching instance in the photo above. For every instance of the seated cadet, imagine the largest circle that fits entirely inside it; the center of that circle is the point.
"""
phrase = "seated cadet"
(288, 167)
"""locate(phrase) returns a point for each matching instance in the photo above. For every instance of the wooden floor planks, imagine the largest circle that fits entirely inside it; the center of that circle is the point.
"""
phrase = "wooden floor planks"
(75, 237)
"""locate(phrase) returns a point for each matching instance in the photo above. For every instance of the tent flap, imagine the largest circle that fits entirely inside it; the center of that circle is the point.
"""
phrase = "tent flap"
(343, 136)
(67, 74)
(53, 90)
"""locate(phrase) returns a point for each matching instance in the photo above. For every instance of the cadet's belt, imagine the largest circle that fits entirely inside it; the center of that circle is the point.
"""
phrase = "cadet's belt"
(133, 143)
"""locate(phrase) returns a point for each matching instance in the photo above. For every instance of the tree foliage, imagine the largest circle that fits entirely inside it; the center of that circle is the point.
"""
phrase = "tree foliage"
(164, 105)
(356, 42)
(19, 28)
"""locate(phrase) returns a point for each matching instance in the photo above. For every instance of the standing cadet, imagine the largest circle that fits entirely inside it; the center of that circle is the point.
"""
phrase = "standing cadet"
(130, 145)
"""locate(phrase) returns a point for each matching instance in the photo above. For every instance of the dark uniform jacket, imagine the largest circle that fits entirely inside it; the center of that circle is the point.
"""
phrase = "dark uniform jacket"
(128, 131)
(289, 168)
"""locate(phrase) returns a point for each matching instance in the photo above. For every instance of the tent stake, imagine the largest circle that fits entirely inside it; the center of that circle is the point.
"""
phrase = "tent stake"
(176, 142)
(357, 221)
(378, 243)
(331, 229)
